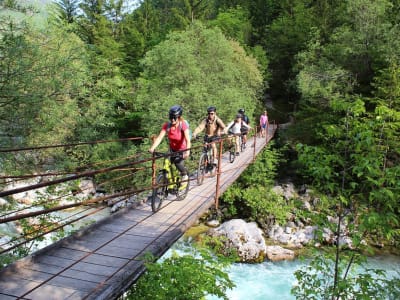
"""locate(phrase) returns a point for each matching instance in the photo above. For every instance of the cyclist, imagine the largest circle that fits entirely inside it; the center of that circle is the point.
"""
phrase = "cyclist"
(179, 139)
(235, 127)
(213, 126)
(244, 130)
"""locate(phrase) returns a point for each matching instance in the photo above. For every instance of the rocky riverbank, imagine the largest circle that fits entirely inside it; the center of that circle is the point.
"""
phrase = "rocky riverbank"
(258, 242)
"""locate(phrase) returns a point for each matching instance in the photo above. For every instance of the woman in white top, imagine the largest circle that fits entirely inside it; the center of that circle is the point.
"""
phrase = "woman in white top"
(234, 128)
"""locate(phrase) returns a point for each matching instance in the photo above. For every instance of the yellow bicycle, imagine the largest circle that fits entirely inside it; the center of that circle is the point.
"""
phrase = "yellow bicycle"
(168, 181)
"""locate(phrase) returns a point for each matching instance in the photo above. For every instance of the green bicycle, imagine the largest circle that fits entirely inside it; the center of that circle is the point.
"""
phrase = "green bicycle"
(168, 181)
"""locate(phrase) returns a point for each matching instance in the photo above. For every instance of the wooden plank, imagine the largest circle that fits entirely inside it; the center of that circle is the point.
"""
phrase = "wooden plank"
(105, 260)
(46, 292)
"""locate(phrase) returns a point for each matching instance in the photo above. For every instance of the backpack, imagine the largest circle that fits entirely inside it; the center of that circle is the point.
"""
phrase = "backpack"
(180, 126)
(246, 119)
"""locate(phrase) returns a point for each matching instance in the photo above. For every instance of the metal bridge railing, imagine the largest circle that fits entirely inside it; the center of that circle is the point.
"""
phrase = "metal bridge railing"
(118, 180)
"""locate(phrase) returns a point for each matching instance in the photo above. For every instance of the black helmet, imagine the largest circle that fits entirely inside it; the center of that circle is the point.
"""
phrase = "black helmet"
(211, 108)
(241, 111)
(175, 111)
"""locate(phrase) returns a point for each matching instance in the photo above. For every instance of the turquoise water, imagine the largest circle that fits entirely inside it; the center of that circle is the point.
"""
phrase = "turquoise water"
(262, 281)
(274, 280)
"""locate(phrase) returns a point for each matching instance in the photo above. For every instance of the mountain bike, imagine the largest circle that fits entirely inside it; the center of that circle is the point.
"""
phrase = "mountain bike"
(232, 146)
(168, 181)
(206, 164)
(242, 145)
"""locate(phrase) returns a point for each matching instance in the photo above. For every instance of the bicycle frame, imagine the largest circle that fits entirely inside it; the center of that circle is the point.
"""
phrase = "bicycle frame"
(170, 171)
(167, 182)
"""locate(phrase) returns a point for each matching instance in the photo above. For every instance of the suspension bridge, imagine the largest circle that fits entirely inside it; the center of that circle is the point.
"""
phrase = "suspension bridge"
(104, 259)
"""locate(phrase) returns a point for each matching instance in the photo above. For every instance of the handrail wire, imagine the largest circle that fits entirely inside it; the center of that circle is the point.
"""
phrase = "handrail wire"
(69, 145)
(46, 201)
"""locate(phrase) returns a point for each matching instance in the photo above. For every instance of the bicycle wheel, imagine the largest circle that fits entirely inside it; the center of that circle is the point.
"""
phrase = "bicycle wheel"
(232, 155)
(182, 191)
(212, 168)
(160, 192)
(201, 170)
(242, 145)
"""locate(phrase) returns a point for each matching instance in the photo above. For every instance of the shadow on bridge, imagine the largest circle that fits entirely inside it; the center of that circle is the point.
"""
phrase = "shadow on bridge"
(104, 259)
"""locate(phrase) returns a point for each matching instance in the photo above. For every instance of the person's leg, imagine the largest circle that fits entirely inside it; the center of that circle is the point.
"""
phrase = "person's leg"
(180, 165)
(214, 153)
(237, 144)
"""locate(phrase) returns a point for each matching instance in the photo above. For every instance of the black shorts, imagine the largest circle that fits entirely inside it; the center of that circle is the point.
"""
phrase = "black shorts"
(176, 157)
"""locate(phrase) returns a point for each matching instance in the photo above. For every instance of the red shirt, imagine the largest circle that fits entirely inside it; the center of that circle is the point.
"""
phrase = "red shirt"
(176, 135)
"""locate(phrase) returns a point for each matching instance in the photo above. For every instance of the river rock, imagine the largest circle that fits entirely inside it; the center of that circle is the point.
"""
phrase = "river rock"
(246, 238)
(277, 253)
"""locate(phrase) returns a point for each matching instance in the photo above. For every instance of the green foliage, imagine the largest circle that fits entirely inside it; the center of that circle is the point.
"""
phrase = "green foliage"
(195, 69)
(315, 281)
(234, 23)
(182, 277)
(250, 196)
(44, 68)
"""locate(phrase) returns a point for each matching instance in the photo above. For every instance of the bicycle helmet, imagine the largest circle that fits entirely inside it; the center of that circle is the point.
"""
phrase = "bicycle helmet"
(241, 111)
(211, 109)
(175, 112)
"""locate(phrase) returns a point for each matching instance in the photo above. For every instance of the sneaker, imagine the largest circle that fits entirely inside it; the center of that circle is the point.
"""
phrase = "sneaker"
(237, 153)
(184, 182)
(215, 162)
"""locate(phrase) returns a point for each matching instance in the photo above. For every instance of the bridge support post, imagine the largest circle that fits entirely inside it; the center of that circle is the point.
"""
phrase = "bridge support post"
(221, 142)
(153, 166)
(254, 143)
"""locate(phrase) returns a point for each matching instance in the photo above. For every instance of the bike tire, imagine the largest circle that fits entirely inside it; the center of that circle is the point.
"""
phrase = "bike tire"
(160, 192)
(242, 146)
(232, 156)
(181, 194)
(201, 170)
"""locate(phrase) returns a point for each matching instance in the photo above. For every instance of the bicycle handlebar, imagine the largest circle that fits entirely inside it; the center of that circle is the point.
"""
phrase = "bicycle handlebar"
(158, 154)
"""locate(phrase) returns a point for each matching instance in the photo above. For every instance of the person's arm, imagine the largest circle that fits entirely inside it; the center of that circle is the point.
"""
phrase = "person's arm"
(245, 125)
(227, 127)
(188, 143)
(158, 140)
(199, 128)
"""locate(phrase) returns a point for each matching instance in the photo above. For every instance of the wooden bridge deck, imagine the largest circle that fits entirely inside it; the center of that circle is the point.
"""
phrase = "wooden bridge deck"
(103, 260)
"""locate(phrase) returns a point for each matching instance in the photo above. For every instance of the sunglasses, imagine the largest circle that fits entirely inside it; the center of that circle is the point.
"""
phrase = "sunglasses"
(173, 118)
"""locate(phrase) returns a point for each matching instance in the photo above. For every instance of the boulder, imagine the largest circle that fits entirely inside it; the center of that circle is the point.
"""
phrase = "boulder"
(277, 253)
(246, 238)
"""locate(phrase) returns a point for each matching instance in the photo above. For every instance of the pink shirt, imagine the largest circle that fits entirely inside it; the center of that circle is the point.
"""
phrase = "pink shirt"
(176, 135)
(263, 120)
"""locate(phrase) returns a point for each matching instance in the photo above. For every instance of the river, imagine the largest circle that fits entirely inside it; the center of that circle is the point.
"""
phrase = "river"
(274, 280)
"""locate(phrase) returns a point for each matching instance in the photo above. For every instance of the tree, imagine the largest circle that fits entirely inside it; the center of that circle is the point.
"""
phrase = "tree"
(41, 74)
(197, 68)
(67, 10)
